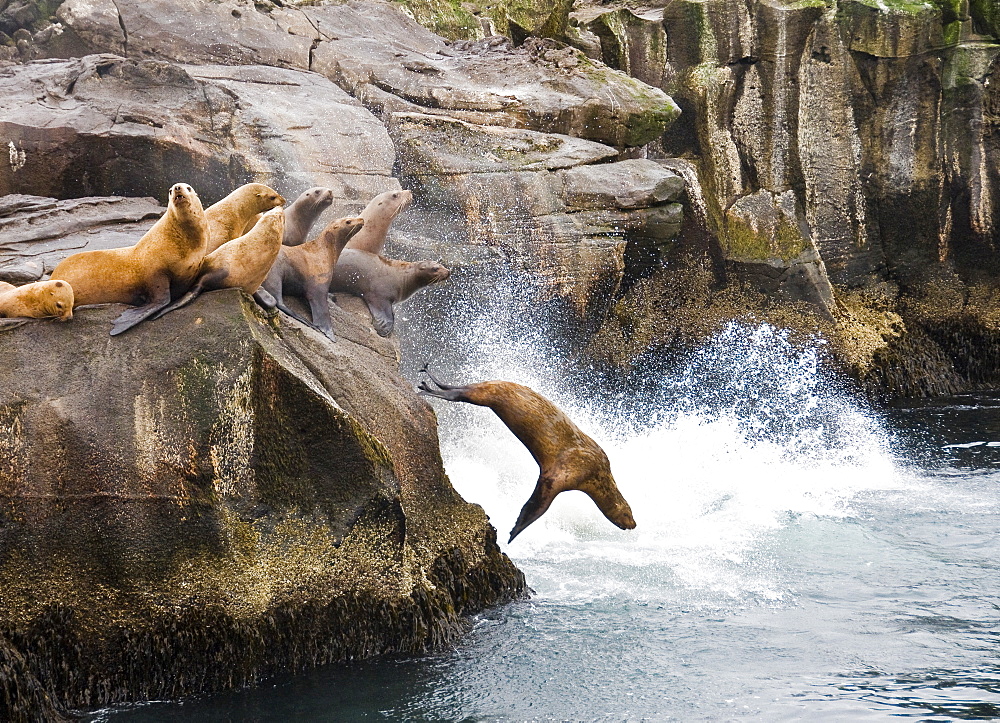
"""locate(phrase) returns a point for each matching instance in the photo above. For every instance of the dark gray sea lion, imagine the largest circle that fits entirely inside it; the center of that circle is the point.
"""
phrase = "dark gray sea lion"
(306, 270)
(301, 214)
(379, 214)
(567, 458)
(242, 263)
(383, 282)
(161, 266)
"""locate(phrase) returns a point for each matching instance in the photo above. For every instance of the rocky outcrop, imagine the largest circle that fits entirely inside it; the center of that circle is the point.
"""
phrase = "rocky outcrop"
(864, 129)
(38, 232)
(103, 125)
(538, 198)
(220, 495)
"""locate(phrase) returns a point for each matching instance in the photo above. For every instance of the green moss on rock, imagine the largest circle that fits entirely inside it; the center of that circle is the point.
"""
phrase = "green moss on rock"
(451, 19)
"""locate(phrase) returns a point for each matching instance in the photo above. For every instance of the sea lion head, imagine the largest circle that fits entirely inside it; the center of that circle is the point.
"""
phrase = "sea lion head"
(53, 298)
(391, 203)
(430, 272)
(319, 197)
(181, 194)
(265, 196)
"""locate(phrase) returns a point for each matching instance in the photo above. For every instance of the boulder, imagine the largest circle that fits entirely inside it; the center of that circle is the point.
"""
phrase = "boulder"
(218, 496)
(37, 233)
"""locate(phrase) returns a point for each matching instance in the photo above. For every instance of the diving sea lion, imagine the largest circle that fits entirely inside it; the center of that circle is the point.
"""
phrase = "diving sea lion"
(567, 458)
(160, 267)
(379, 214)
(37, 301)
(242, 263)
(382, 282)
(306, 270)
(227, 218)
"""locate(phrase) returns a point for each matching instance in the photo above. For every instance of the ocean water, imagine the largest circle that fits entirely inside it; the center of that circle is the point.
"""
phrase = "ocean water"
(798, 555)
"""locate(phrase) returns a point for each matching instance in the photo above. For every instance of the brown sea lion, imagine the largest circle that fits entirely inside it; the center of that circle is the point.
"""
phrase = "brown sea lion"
(382, 282)
(160, 267)
(306, 270)
(39, 300)
(242, 263)
(227, 218)
(567, 458)
(379, 214)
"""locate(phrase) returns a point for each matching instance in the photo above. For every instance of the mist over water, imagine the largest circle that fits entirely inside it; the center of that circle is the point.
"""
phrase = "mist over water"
(798, 555)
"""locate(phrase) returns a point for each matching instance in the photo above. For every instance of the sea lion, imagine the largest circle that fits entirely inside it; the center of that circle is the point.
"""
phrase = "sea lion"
(306, 270)
(382, 282)
(227, 218)
(301, 214)
(160, 267)
(38, 300)
(379, 214)
(242, 263)
(567, 458)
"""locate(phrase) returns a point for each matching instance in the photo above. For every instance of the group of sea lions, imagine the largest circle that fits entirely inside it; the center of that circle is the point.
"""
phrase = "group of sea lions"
(248, 241)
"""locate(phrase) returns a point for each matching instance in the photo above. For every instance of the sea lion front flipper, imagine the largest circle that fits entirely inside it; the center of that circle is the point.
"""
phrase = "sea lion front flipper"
(130, 318)
(263, 297)
(383, 316)
(11, 324)
(319, 306)
(540, 500)
(280, 306)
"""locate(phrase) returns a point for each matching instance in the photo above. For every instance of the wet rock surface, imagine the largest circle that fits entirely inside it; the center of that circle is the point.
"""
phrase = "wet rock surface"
(218, 496)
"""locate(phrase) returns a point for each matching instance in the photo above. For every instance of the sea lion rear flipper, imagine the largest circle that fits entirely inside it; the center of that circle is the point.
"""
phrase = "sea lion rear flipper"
(540, 500)
(160, 299)
(194, 291)
(383, 317)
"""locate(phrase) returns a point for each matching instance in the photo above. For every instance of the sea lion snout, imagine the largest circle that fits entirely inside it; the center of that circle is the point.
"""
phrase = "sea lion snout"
(433, 272)
(181, 193)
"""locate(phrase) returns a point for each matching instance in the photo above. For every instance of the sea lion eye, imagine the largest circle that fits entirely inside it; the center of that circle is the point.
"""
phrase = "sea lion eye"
(59, 305)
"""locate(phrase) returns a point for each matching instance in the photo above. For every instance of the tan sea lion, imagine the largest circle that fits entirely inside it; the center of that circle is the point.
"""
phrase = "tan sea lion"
(567, 458)
(38, 300)
(242, 263)
(382, 282)
(306, 270)
(160, 267)
(379, 214)
(227, 218)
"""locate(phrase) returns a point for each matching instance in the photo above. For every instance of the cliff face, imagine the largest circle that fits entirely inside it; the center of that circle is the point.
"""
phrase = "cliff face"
(218, 496)
(867, 129)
